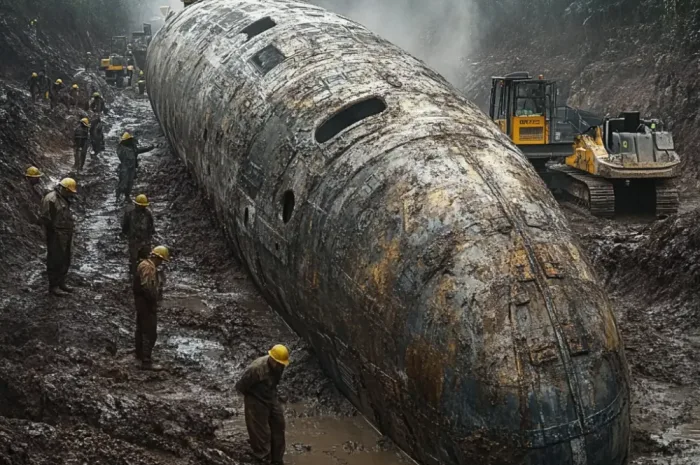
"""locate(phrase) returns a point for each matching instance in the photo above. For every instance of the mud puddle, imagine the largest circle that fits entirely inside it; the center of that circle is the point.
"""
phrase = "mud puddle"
(82, 382)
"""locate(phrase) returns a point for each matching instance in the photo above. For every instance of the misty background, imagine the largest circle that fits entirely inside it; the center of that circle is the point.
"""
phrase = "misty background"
(440, 32)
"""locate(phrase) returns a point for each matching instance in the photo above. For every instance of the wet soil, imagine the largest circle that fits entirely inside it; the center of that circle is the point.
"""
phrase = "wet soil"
(71, 391)
(648, 267)
(70, 388)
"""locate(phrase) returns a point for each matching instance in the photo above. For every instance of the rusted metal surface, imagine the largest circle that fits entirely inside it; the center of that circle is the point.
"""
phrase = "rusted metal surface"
(416, 249)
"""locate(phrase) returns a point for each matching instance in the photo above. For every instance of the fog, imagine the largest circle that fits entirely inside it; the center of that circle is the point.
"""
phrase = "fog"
(148, 11)
(440, 32)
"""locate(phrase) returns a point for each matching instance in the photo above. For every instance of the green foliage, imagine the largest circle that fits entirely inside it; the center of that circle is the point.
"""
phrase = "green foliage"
(678, 20)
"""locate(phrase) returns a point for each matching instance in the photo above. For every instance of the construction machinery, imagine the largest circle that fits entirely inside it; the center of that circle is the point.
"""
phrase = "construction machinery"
(115, 65)
(140, 41)
(607, 164)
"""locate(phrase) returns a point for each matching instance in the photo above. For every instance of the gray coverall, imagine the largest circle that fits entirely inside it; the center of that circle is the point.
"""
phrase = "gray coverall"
(264, 416)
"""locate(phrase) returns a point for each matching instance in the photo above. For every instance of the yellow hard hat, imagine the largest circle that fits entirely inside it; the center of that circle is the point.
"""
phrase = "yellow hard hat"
(75, 86)
(161, 252)
(141, 200)
(126, 136)
(141, 73)
(59, 81)
(70, 184)
(280, 354)
(85, 121)
(33, 172)
(96, 94)
(34, 75)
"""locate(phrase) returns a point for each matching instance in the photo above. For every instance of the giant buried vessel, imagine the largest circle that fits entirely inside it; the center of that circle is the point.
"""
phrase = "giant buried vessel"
(394, 227)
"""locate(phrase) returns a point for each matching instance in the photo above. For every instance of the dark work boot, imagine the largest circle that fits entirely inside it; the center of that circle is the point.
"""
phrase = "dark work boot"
(65, 288)
(56, 290)
(150, 366)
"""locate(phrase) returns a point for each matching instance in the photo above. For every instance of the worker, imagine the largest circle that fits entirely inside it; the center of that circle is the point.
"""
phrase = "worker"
(81, 142)
(264, 416)
(141, 83)
(128, 152)
(138, 228)
(97, 103)
(74, 95)
(88, 61)
(33, 23)
(129, 74)
(33, 177)
(36, 192)
(34, 86)
(56, 90)
(58, 221)
(147, 293)
(44, 83)
(97, 136)
(130, 62)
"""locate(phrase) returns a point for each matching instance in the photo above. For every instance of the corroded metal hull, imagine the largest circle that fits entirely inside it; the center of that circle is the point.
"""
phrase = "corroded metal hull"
(394, 227)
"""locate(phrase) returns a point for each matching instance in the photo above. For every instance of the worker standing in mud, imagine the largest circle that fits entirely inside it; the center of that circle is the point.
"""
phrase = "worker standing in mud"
(81, 142)
(44, 84)
(97, 137)
(264, 416)
(97, 104)
(138, 228)
(147, 293)
(141, 83)
(130, 67)
(128, 152)
(56, 90)
(34, 86)
(73, 96)
(88, 61)
(58, 222)
(33, 177)
(36, 192)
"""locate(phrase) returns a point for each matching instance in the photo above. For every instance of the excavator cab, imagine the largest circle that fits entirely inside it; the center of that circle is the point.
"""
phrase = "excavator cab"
(526, 110)
(607, 164)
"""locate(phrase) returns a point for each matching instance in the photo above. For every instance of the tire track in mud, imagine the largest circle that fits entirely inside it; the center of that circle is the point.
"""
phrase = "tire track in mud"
(70, 387)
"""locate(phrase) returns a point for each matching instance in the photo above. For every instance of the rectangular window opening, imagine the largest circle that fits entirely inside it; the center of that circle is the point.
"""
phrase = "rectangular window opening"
(267, 58)
(258, 27)
(349, 116)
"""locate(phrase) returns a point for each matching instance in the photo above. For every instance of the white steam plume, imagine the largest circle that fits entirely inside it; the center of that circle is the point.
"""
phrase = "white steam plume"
(440, 32)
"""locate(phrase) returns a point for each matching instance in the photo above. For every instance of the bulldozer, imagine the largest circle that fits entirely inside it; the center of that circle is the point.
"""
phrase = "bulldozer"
(609, 165)
(115, 65)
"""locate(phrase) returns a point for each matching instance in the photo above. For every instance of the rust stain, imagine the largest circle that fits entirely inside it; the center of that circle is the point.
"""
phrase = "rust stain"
(424, 366)
(520, 265)
(382, 272)
(546, 257)
(612, 337)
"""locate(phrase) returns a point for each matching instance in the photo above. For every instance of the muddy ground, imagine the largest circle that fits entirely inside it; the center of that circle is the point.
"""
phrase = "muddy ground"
(70, 388)
(71, 391)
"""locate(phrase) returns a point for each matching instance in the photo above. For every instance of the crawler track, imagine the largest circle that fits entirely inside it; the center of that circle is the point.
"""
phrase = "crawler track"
(596, 194)
(667, 198)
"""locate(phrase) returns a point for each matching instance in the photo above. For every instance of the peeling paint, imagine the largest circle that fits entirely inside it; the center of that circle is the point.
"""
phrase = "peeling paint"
(423, 257)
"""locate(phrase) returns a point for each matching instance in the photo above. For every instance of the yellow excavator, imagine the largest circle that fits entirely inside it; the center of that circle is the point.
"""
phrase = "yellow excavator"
(607, 164)
(115, 65)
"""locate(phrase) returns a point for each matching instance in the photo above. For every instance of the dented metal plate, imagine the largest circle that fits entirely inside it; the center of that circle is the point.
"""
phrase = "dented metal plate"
(414, 247)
